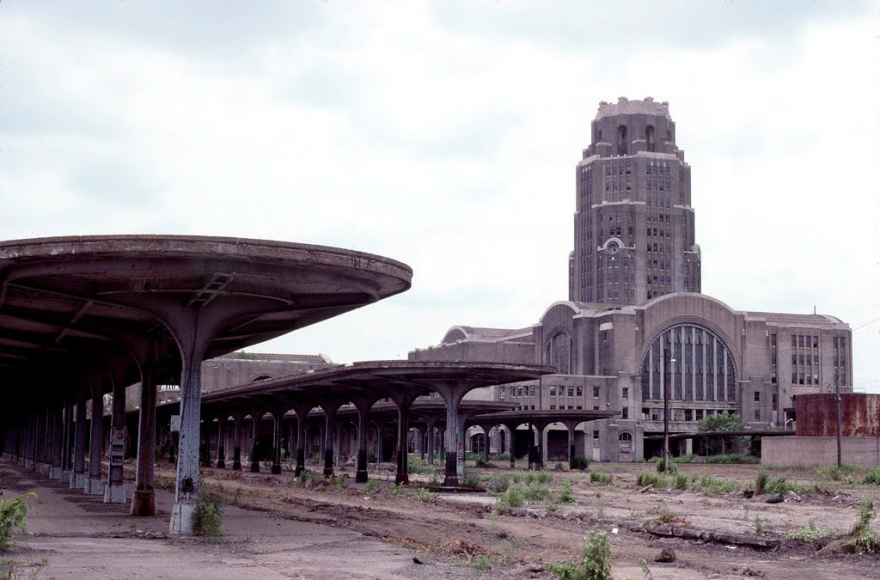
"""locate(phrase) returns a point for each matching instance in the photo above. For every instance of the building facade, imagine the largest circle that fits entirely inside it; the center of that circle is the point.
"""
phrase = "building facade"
(636, 326)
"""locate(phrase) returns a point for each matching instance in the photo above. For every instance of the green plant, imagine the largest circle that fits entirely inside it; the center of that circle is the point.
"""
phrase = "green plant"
(338, 481)
(426, 496)
(863, 540)
(761, 482)
(208, 517)
(808, 532)
(759, 525)
(661, 467)
(643, 564)
(594, 562)
(415, 465)
(733, 458)
(684, 458)
(512, 498)
(395, 490)
(873, 476)
(471, 480)
(709, 484)
(536, 492)
(566, 495)
(12, 569)
(580, 462)
(481, 563)
(777, 485)
(13, 517)
(306, 478)
(371, 485)
(681, 481)
(835, 473)
(664, 515)
(603, 478)
(497, 483)
(646, 478)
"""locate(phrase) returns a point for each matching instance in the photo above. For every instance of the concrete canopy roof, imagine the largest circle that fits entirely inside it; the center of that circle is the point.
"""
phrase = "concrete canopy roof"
(370, 379)
(94, 302)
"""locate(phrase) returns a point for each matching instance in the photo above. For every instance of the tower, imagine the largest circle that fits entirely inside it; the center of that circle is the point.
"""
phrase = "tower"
(633, 225)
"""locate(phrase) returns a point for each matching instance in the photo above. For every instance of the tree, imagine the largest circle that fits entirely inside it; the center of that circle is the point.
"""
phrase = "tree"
(721, 422)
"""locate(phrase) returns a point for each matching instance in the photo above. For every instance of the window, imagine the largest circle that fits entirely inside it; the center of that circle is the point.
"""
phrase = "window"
(624, 413)
(595, 434)
(502, 391)
(553, 390)
(595, 407)
(552, 407)
(757, 414)
(757, 396)
(688, 415)
(773, 340)
(699, 414)
(580, 391)
(570, 391)
(775, 403)
(625, 394)
(596, 392)
(793, 340)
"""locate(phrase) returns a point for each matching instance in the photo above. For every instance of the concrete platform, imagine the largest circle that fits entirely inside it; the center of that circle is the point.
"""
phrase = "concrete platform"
(82, 537)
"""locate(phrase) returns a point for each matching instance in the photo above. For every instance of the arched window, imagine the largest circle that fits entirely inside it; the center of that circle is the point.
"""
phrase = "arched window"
(649, 138)
(622, 143)
(697, 366)
(626, 436)
(559, 353)
(261, 378)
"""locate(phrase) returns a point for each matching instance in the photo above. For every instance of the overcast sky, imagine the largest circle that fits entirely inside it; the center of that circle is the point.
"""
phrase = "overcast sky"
(445, 135)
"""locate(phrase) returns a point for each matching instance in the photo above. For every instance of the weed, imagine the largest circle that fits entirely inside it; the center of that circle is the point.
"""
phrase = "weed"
(13, 517)
(808, 533)
(603, 478)
(580, 463)
(681, 481)
(761, 482)
(759, 525)
(338, 481)
(395, 490)
(552, 507)
(566, 495)
(709, 484)
(11, 569)
(873, 476)
(643, 564)
(543, 477)
(512, 498)
(517, 478)
(208, 516)
(536, 492)
(863, 540)
(306, 478)
(481, 563)
(835, 473)
(660, 465)
(372, 485)
(646, 478)
(594, 562)
(426, 496)
(415, 465)
(684, 458)
(664, 515)
(559, 467)
(497, 483)
(733, 458)
(471, 480)
(508, 547)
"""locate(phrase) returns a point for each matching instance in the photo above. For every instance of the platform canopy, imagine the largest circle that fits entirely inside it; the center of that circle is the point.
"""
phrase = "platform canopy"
(70, 305)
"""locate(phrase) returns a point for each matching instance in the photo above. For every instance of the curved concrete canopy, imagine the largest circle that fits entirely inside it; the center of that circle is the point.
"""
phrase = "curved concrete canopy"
(63, 298)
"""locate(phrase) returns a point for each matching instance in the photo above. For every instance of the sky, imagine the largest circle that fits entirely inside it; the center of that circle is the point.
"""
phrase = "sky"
(445, 134)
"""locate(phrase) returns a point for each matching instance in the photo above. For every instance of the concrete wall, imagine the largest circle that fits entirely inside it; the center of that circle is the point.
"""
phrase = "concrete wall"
(816, 451)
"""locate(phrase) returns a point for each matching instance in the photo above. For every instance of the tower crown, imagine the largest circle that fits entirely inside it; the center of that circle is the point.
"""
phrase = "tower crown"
(624, 106)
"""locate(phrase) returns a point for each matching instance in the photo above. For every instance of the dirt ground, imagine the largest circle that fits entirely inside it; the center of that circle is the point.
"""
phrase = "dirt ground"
(714, 534)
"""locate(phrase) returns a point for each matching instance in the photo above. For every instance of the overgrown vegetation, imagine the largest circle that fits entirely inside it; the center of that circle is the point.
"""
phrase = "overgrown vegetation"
(13, 518)
(721, 422)
(594, 562)
(761, 482)
(566, 495)
(809, 532)
(863, 540)
(426, 496)
(208, 516)
(873, 476)
(603, 478)
(646, 478)
(733, 458)
(580, 463)
(709, 484)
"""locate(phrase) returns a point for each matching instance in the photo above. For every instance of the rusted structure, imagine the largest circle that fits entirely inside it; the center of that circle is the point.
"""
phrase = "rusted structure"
(816, 415)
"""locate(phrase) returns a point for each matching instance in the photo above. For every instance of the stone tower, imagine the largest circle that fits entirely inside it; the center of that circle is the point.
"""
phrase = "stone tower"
(634, 225)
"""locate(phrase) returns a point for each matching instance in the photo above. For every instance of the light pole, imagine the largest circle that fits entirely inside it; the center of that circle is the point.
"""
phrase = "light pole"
(667, 375)
(837, 402)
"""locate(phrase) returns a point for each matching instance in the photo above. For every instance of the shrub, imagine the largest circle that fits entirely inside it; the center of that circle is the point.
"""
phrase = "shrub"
(426, 496)
(208, 517)
(501, 457)
(371, 485)
(594, 562)
(414, 465)
(580, 462)
(684, 459)
(513, 497)
(471, 480)
(661, 466)
(645, 478)
(481, 563)
(808, 533)
(603, 478)
(709, 484)
(761, 482)
(536, 492)
(681, 481)
(664, 515)
(778, 485)
(873, 476)
(497, 483)
(13, 514)
(543, 477)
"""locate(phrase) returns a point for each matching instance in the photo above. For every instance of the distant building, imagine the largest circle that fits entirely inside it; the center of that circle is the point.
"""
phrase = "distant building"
(636, 322)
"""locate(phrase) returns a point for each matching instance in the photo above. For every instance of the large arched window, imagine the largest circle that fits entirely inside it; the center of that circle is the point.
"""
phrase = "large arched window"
(559, 353)
(699, 366)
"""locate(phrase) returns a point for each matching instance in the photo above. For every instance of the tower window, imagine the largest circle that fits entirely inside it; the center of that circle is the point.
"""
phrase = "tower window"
(649, 138)
(622, 144)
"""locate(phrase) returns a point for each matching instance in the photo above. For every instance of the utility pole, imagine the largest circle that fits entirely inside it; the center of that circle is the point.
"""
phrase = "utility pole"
(667, 375)
(837, 402)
